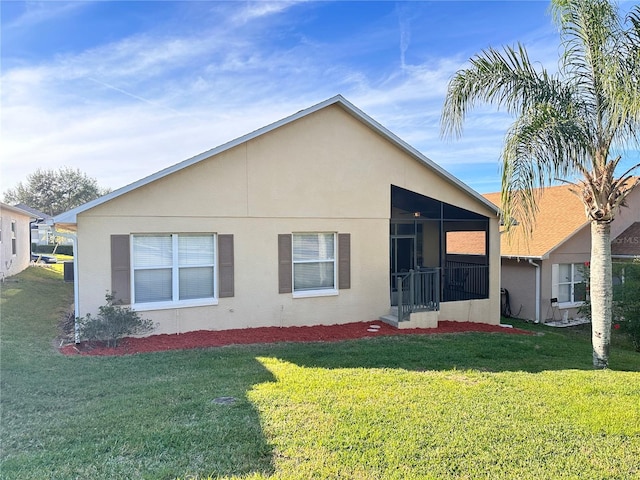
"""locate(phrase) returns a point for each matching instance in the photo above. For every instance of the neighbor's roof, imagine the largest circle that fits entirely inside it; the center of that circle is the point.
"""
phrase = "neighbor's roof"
(34, 212)
(560, 216)
(70, 217)
(627, 244)
(16, 209)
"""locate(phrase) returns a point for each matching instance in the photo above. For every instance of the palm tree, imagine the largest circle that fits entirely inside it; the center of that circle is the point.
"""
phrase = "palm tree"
(565, 126)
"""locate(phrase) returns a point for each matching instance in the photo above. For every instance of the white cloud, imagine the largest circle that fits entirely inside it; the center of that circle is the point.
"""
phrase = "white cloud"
(36, 13)
(126, 109)
(257, 9)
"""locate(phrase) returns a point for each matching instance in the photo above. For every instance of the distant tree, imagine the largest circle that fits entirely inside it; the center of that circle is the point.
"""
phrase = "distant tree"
(55, 191)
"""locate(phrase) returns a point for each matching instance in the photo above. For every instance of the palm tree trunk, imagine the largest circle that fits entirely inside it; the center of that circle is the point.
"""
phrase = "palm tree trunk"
(601, 293)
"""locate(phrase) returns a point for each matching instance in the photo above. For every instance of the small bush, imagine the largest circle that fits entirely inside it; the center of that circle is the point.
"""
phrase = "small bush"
(112, 323)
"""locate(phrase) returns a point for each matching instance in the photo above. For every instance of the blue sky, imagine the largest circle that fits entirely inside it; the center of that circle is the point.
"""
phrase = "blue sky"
(123, 89)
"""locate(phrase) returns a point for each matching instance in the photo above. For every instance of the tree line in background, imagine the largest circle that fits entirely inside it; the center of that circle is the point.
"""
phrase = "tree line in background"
(55, 191)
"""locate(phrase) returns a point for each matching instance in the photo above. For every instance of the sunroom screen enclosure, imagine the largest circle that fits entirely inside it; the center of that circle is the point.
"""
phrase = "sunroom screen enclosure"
(447, 245)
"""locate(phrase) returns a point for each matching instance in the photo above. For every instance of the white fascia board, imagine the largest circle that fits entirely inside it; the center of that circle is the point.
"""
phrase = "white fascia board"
(525, 257)
(356, 112)
(70, 217)
(567, 238)
(17, 210)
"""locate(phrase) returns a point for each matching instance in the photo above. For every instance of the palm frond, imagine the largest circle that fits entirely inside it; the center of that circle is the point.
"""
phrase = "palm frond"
(565, 124)
(626, 95)
(541, 146)
(507, 80)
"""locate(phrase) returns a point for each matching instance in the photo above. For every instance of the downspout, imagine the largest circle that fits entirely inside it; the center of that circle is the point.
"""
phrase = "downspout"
(537, 319)
(76, 297)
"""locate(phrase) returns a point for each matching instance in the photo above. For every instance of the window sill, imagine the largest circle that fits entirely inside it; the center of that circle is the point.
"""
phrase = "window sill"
(204, 302)
(315, 293)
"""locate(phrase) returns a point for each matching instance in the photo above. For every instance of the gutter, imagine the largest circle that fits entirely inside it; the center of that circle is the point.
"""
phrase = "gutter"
(531, 262)
(76, 298)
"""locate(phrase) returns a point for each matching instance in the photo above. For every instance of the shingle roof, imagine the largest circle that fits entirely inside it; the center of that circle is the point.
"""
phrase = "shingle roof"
(16, 209)
(628, 242)
(36, 213)
(466, 243)
(561, 214)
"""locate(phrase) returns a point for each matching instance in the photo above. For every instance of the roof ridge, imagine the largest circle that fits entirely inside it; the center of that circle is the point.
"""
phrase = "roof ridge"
(70, 217)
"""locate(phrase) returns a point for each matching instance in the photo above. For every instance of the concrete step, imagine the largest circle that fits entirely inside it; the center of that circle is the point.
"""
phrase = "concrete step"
(390, 319)
(415, 320)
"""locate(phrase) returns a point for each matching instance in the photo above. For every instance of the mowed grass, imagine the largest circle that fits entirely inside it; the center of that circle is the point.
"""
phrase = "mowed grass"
(441, 407)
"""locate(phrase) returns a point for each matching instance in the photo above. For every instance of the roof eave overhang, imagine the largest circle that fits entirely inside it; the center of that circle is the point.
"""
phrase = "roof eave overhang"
(525, 257)
(384, 132)
(70, 217)
(19, 211)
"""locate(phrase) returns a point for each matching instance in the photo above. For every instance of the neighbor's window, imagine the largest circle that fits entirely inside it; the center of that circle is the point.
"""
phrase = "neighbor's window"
(571, 285)
(314, 262)
(173, 268)
(14, 245)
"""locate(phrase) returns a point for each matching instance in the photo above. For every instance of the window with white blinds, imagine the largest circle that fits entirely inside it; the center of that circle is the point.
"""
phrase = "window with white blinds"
(314, 262)
(173, 268)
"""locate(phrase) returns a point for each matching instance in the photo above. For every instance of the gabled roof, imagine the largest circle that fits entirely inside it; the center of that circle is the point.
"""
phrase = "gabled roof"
(560, 216)
(16, 209)
(34, 212)
(70, 217)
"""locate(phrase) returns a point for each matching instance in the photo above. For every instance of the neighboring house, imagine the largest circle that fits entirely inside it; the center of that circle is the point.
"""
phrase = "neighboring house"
(316, 219)
(542, 276)
(626, 246)
(41, 232)
(15, 247)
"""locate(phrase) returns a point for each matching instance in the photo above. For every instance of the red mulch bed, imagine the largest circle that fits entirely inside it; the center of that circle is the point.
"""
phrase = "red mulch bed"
(320, 333)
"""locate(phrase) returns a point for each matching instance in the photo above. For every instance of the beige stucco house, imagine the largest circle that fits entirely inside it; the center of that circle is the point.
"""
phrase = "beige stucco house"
(324, 217)
(15, 245)
(542, 275)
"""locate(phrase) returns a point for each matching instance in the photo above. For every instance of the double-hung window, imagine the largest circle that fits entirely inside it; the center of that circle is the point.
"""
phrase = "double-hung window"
(174, 269)
(14, 243)
(314, 263)
(571, 287)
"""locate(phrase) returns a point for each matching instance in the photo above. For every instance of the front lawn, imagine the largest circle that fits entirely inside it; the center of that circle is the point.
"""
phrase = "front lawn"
(442, 407)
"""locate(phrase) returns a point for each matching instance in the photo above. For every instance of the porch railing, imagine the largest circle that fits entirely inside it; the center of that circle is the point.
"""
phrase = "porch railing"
(465, 281)
(417, 291)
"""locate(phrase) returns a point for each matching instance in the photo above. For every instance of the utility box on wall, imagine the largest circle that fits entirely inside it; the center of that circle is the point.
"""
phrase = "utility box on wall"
(68, 271)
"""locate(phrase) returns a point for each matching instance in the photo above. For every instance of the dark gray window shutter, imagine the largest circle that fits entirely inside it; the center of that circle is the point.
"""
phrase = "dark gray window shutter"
(285, 284)
(344, 260)
(225, 266)
(121, 269)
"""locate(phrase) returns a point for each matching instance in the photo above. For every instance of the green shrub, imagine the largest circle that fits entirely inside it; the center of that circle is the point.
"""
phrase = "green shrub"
(627, 305)
(626, 300)
(112, 323)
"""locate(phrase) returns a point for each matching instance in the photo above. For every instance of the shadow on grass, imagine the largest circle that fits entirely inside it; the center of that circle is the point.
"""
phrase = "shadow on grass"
(162, 415)
(547, 349)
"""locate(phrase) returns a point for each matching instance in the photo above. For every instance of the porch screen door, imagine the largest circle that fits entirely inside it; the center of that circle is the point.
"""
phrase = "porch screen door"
(403, 256)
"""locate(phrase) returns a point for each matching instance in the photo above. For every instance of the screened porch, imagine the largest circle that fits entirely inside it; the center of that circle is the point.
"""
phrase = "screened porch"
(438, 253)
